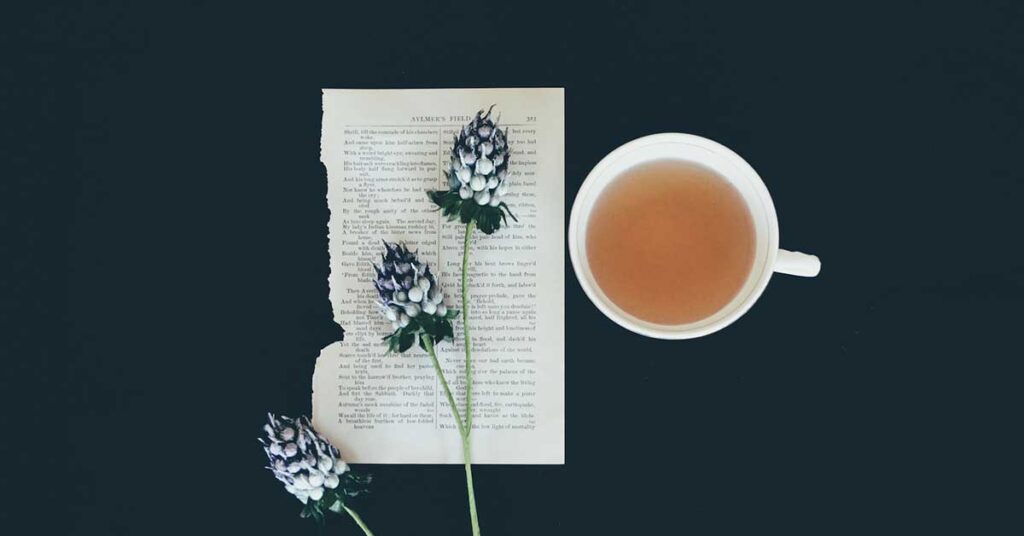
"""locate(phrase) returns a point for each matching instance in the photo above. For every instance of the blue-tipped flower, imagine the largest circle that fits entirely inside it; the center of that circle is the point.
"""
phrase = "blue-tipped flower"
(478, 179)
(411, 298)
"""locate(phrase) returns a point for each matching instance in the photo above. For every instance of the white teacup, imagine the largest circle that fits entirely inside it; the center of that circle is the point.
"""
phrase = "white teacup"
(767, 259)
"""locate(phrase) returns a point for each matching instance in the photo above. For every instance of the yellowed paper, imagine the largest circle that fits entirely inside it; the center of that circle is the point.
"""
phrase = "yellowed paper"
(383, 149)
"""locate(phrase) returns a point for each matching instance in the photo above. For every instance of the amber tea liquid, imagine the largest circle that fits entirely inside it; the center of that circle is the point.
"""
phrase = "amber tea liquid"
(670, 242)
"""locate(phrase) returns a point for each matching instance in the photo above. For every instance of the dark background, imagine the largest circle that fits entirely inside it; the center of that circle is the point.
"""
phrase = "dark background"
(164, 233)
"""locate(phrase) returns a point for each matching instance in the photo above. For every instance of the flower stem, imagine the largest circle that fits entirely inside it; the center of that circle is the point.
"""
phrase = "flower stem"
(465, 325)
(463, 433)
(467, 455)
(467, 447)
(359, 521)
(444, 383)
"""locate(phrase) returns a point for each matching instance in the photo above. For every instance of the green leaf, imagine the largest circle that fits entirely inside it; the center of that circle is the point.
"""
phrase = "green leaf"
(452, 313)
(437, 197)
(504, 206)
(312, 510)
(468, 211)
(406, 340)
(446, 329)
(338, 506)
(489, 219)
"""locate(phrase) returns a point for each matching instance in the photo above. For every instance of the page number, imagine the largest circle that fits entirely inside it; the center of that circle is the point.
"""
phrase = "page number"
(531, 119)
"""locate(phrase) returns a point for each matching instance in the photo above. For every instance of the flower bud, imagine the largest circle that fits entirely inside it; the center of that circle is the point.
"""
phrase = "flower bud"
(415, 295)
(492, 182)
(424, 284)
(340, 466)
(331, 481)
(482, 197)
(502, 188)
(290, 450)
(315, 478)
(463, 175)
(441, 309)
(403, 320)
(486, 148)
(484, 166)
(287, 434)
(429, 307)
(465, 192)
(316, 493)
(477, 183)
(495, 200)
(412, 310)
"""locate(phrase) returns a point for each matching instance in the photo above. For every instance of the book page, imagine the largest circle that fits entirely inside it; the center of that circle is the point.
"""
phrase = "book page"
(383, 149)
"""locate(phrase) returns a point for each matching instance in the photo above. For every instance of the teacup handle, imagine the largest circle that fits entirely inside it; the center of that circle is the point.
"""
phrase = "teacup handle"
(796, 263)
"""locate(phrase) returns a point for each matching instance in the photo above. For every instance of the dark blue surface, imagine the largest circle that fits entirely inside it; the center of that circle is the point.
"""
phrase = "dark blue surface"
(166, 241)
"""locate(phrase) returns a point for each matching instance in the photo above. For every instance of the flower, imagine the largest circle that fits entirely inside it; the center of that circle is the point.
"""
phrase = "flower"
(478, 175)
(310, 468)
(410, 297)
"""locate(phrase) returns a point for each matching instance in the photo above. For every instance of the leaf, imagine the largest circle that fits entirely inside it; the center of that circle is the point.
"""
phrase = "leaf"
(435, 198)
(338, 506)
(426, 322)
(312, 510)
(452, 313)
(468, 211)
(406, 340)
(488, 220)
(504, 206)
(446, 329)
(392, 344)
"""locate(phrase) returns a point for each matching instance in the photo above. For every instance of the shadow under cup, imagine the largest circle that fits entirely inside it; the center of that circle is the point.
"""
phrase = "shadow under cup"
(696, 150)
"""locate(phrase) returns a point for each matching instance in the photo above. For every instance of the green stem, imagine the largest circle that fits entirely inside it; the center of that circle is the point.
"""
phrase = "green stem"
(467, 448)
(359, 521)
(468, 457)
(444, 383)
(465, 325)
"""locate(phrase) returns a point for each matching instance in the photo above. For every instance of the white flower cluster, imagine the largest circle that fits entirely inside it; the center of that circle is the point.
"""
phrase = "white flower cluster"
(301, 458)
(479, 162)
(406, 287)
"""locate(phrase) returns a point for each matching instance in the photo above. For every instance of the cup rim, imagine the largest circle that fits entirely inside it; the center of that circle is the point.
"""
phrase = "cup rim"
(673, 332)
